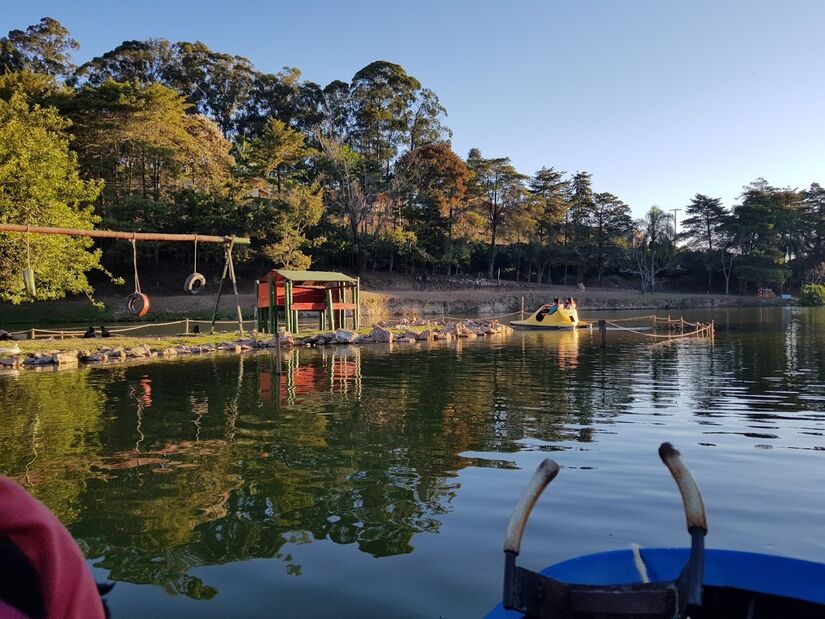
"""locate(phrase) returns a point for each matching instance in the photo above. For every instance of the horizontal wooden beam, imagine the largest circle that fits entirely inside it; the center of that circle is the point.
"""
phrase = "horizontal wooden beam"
(125, 236)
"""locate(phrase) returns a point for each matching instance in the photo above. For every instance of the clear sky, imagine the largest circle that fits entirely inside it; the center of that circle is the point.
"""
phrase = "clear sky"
(657, 99)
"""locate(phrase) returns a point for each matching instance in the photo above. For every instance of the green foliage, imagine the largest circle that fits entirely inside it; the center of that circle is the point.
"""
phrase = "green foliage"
(44, 47)
(812, 295)
(40, 185)
(355, 174)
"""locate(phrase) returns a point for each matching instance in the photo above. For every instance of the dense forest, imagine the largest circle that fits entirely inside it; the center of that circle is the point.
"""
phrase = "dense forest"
(358, 175)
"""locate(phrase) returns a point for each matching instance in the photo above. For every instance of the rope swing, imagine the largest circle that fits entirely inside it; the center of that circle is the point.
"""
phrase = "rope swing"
(195, 282)
(137, 302)
(28, 272)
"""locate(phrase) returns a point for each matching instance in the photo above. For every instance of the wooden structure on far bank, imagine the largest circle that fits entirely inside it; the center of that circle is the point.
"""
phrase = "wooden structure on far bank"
(334, 296)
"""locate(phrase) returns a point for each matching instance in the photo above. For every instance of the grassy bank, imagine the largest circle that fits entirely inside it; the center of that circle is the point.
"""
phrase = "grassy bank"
(375, 305)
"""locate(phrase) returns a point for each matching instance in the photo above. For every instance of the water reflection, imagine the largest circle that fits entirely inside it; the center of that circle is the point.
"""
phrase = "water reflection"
(162, 468)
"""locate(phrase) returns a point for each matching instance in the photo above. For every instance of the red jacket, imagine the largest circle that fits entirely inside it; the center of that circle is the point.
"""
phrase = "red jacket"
(42, 570)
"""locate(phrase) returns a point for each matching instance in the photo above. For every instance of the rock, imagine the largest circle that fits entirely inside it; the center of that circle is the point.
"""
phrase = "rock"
(425, 336)
(442, 335)
(235, 348)
(169, 352)
(343, 336)
(65, 358)
(183, 350)
(380, 334)
(580, 286)
(10, 362)
(247, 344)
(116, 354)
(39, 360)
(93, 357)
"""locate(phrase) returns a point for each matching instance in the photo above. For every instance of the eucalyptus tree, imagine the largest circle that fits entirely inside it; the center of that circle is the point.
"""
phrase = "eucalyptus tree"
(337, 112)
(45, 47)
(382, 94)
(146, 62)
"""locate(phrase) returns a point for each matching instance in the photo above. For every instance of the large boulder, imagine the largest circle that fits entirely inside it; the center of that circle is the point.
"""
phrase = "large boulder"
(64, 358)
(343, 336)
(424, 336)
(380, 334)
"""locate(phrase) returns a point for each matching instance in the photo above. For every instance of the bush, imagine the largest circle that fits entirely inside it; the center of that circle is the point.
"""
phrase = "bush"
(812, 294)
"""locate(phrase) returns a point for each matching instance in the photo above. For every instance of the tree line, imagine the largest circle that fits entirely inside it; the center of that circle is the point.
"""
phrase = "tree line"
(359, 174)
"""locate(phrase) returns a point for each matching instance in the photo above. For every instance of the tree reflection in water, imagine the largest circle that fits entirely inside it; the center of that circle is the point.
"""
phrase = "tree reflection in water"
(164, 467)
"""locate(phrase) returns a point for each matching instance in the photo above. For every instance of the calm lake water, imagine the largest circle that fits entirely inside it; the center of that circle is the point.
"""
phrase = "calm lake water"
(377, 483)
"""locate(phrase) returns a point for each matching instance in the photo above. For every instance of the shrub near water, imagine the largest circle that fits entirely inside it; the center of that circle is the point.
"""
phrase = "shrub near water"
(812, 294)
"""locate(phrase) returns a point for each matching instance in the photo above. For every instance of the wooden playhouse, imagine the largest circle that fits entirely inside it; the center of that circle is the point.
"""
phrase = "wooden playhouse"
(334, 296)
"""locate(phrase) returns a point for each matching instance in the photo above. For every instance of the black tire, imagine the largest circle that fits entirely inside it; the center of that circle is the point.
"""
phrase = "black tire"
(195, 283)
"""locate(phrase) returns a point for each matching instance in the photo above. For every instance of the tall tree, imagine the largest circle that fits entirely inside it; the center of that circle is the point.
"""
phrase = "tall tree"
(382, 94)
(703, 228)
(766, 225)
(144, 62)
(652, 247)
(813, 215)
(582, 212)
(432, 181)
(45, 47)
(551, 189)
(498, 190)
(40, 186)
(611, 223)
(141, 140)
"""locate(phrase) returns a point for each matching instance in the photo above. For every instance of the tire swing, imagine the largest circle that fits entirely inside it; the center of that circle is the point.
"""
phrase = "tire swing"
(195, 283)
(137, 302)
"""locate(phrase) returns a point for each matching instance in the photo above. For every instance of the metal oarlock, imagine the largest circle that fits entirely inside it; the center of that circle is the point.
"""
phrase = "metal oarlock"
(541, 596)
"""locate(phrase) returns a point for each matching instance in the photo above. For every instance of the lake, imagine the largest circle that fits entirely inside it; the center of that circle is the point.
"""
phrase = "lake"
(378, 482)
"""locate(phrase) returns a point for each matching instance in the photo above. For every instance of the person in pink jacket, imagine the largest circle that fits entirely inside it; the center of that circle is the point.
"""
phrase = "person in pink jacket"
(42, 570)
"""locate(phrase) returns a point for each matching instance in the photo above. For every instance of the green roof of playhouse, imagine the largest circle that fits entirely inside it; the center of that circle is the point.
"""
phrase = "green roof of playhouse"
(314, 276)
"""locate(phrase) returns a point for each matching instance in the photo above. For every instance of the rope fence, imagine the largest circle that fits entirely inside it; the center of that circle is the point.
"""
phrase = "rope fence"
(33, 334)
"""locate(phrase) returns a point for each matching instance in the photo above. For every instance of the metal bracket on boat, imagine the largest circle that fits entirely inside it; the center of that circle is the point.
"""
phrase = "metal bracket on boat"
(541, 596)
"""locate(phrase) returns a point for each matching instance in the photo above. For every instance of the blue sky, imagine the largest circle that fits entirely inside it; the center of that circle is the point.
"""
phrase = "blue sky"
(657, 99)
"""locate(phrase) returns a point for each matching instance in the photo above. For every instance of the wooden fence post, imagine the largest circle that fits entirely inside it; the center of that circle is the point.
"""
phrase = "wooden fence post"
(603, 332)
(522, 307)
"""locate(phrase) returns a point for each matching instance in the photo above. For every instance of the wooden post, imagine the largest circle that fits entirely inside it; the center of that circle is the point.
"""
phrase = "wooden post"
(357, 292)
(288, 305)
(186, 328)
(603, 332)
(273, 304)
(522, 307)
(682, 323)
(330, 311)
(278, 369)
(31, 334)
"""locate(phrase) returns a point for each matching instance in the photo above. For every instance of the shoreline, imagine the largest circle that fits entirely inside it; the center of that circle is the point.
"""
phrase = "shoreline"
(376, 304)
(74, 353)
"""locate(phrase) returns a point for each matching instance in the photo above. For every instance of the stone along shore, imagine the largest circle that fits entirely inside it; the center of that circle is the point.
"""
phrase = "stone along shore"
(379, 334)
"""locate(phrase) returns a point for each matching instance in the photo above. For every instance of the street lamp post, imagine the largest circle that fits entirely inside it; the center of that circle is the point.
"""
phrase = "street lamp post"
(675, 223)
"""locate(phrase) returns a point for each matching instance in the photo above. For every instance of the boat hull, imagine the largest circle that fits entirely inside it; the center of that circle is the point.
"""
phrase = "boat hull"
(561, 318)
(794, 586)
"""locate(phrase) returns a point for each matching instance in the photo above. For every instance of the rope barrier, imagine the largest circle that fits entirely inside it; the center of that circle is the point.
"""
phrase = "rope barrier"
(699, 331)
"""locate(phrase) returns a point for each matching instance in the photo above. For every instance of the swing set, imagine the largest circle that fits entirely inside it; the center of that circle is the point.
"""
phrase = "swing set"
(138, 302)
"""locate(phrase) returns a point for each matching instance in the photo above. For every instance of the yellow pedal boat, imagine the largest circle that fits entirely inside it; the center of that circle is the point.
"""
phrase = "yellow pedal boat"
(551, 317)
